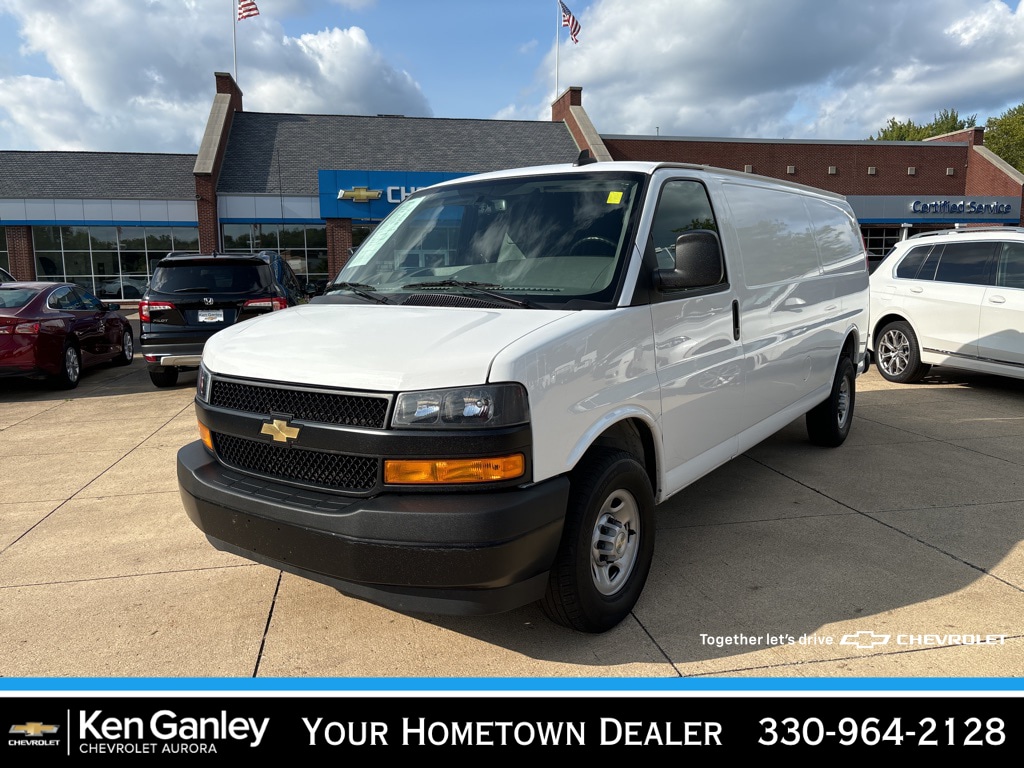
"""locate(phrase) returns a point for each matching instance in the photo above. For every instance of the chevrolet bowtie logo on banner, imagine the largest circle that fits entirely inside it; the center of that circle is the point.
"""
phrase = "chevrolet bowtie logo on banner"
(360, 194)
(279, 431)
(33, 729)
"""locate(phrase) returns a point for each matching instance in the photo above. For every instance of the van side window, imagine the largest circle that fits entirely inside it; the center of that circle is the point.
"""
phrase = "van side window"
(682, 207)
(1010, 273)
(966, 263)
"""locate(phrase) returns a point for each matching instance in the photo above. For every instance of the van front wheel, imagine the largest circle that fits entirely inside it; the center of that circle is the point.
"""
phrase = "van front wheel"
(607, 544)
(828, 424)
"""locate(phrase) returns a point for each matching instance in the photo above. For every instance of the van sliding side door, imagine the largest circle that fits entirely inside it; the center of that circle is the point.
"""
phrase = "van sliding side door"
(698, 357)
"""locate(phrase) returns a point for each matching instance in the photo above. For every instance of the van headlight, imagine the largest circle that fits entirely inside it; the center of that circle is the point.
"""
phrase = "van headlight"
(203, 384)
(485, 406)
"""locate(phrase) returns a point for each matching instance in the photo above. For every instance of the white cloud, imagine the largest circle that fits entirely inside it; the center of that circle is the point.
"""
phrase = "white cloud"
(139, 76)
(787, 68)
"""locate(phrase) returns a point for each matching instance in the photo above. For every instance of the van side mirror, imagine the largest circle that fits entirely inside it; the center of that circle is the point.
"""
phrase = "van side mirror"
(699, 263)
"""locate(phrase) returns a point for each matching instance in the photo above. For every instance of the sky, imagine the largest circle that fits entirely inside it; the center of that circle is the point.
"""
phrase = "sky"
(137, 75)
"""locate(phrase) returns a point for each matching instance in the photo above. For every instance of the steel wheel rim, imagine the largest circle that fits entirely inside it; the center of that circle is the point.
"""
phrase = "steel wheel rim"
(71, 365)
(894, 352)
(843, 404)
(615, 545)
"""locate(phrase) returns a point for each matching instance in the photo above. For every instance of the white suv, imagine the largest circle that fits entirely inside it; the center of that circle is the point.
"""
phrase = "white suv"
(953, 298)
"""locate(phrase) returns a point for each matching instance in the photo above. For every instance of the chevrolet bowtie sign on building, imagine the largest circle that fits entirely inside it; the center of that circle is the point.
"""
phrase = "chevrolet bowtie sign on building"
(370, 194)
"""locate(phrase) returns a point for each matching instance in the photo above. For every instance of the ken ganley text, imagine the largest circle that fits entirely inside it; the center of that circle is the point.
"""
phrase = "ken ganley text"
(165, 732)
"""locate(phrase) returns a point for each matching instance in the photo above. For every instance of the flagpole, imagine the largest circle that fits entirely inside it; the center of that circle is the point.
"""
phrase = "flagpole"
(234, 42)
(558, 26)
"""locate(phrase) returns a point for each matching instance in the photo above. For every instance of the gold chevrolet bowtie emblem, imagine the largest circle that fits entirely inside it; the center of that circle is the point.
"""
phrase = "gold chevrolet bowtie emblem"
(360, 194)
(33, 729)
(280, 431)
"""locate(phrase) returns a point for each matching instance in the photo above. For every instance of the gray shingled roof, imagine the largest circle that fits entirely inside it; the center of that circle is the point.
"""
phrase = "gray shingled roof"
(96, 175)
(305, 144)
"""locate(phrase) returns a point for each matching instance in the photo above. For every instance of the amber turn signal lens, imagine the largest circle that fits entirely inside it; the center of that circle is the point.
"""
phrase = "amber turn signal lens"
(441, 471)
(205, 436)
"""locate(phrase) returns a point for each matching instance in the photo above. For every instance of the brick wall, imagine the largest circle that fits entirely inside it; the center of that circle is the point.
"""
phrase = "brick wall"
(206, 185)
(986, 178)
(226, 84)
(812, 161)
(206, 210)
(560, 113)
(339, 240)
(21, 253)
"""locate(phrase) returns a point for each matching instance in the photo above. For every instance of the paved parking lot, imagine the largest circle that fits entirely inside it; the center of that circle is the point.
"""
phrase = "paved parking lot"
(898, 555)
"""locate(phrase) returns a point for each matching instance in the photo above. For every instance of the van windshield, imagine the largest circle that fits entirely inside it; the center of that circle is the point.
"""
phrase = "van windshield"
(544, 240)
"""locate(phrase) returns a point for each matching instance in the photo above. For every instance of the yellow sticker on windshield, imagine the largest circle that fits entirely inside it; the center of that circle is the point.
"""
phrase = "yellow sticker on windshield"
(614, 198)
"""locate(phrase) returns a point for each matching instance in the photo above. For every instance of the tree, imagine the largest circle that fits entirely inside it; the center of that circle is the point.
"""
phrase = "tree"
(1004, 135)
(946, 121)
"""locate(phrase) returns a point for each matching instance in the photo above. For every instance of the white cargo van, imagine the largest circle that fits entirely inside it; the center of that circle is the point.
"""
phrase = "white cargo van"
(513, 370)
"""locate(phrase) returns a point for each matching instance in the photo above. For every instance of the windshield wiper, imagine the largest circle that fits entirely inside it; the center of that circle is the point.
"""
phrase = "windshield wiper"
(474, 287)
(359, 289)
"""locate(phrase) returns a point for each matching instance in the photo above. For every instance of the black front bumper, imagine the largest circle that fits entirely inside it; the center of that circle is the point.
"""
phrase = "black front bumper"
(455, 553)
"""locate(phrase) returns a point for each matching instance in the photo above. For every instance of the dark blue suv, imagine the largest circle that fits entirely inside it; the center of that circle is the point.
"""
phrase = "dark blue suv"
(192, 296)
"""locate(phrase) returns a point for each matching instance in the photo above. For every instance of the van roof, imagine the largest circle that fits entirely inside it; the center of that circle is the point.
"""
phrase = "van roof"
(637, 166)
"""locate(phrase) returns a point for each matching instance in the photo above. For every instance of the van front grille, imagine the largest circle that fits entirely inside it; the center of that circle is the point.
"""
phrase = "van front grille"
(345, 409)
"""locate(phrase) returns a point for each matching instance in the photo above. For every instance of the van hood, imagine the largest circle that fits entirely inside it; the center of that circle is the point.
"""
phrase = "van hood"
(383, 348)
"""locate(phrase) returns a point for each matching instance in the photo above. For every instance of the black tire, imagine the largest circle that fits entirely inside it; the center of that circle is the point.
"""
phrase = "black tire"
(607, 544)
(164, 377)
(898, 354)
(127, 353)
(71, 367)
(828, 423)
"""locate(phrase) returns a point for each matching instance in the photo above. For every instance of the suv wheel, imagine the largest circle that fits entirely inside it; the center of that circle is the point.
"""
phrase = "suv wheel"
(164, 377)
(898, 355)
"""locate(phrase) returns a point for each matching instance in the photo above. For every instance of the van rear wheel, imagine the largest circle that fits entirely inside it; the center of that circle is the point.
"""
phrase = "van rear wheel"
(829, 423)
(607, 544)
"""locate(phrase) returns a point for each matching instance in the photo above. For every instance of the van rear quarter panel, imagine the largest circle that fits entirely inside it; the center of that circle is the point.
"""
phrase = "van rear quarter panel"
(795, 311)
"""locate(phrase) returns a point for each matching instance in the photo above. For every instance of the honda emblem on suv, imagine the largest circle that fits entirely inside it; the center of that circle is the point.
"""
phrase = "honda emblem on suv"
(208, 301)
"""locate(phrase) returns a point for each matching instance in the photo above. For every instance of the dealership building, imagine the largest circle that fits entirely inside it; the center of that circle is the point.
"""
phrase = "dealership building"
(313, 186)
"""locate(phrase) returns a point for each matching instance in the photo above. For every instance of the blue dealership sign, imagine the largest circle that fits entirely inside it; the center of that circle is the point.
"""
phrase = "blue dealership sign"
(370, 194)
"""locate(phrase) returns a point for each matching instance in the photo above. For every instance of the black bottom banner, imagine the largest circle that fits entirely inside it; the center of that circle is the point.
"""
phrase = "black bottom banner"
(138, 728)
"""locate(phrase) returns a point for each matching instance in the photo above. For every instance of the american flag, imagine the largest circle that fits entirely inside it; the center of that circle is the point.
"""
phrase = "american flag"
(568, 20)
(247, 9)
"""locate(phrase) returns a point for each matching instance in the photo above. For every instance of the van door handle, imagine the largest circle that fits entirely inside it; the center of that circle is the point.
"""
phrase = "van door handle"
(997, 299)
(735, 320)
(916, 289)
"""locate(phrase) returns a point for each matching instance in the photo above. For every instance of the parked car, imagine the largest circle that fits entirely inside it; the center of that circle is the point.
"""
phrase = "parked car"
(56, 330)
(952, 298)
(511, 372)
(192, 296)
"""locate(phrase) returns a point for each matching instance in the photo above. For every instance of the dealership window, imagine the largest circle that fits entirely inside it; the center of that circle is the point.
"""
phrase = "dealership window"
(304, 246)
(880, 240)
(110, 262)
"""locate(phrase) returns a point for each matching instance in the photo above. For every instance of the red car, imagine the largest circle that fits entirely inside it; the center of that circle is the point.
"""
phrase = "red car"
(55, 330)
